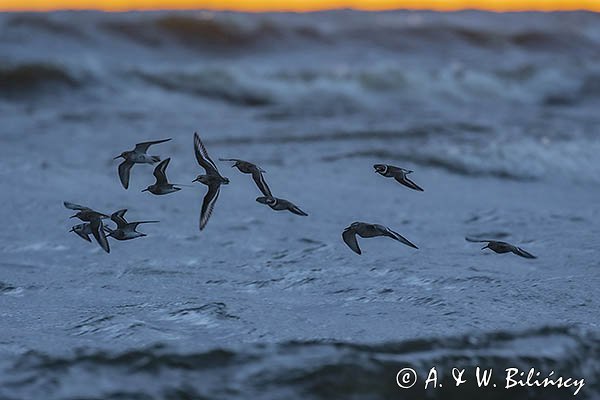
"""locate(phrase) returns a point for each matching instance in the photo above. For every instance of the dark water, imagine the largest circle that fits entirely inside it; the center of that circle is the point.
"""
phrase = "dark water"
(496, 113)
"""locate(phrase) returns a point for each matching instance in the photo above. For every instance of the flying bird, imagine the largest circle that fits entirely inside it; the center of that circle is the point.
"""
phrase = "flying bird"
(365, 230)
(162, 185)
(399, 174)
(281, 204)
(125, 230)
(502, 247)
(246, 167)
(94, 218)
(136, 156)
(83, 231)
(212, 179)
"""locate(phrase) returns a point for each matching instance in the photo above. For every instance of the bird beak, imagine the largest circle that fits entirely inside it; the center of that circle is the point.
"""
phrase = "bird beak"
(73, 216)
(485, 247)
(117, 157)
(145, 190)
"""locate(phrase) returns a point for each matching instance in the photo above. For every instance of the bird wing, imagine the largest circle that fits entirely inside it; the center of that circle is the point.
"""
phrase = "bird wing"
(160, 172)
(469, 239)
(408, 183)
(73, 206)
(209, 204)
(124, 170)
(143, 147)
(400, 238)
(135, 224)
(520, 252)
(203, 158)
(296, 210)
(99, 234)
(230, 159)
(349, 237)
(259, 179)
(118, 217)
(81, 234)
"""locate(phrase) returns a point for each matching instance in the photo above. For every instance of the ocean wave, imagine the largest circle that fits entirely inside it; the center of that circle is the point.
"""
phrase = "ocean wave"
(314, 370)
(397, 30)
(45, 23)
(206, 32)
(31, 78)
(216, 84)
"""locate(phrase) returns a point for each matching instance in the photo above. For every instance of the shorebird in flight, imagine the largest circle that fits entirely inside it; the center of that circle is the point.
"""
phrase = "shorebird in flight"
(94, 218)
(125, 230)
(162, 185)
(501, 247)
(246, 167)
(281, 204)
(83, 231)
(212, 178)
(399, 174)
(365, 230)
(136, 156)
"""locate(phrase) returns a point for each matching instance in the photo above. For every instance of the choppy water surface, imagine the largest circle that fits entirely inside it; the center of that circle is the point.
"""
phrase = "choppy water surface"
(496, 113)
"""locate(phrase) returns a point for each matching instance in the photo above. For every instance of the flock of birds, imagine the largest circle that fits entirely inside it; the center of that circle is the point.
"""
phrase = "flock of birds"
(93, 220)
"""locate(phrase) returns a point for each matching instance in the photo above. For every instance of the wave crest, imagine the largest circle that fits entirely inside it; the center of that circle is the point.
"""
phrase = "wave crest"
(26, 79)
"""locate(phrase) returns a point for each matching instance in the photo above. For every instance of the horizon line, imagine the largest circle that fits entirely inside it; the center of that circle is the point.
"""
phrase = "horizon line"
(294, 11)
(303, 6)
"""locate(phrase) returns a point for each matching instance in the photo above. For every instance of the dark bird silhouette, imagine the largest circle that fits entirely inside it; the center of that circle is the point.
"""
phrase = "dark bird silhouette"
(94, 218)
(136, 156)
(365, 230)
(162, 185)
(399, 174)
(246, 167)
(83, 231)
(281, 204)
(125, 230)
(502, 247)
(212, 179)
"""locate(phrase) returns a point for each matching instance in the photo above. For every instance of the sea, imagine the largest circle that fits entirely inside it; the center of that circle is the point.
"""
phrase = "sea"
(498, 115)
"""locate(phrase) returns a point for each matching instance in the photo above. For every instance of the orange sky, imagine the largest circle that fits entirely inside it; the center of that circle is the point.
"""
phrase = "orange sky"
(300, 5)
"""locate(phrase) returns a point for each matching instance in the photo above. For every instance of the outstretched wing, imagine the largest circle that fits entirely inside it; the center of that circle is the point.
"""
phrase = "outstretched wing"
(143, 147)
(520, 252)
(209, 204)
(296, 210)
(135, 224)
(160, 172)
(469, 239)
(259, 179)
(400, 238)
(230, 159)
(408, 183)
(349, 237)
(81, 234)
(203, 158)
(118, 217)
(73, 206)
(99, 234)
(124, 171)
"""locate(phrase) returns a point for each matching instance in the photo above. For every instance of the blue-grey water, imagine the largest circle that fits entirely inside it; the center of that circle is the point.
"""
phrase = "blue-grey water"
(497, 114)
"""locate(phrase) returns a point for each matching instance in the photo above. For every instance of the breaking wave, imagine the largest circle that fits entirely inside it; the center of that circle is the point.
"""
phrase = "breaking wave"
(32, 78)
(313, 370)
